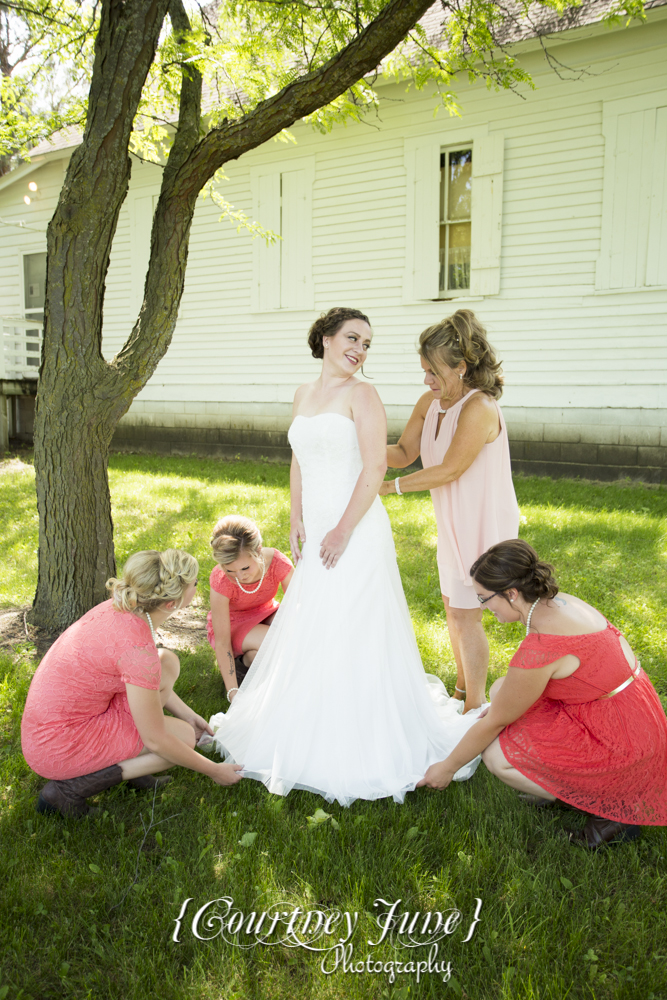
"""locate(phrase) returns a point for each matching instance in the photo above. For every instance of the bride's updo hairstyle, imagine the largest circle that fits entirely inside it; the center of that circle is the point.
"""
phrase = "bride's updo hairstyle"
(462, 338)
(151, 579)
(514, 564)
(233, 535)
(328, 325)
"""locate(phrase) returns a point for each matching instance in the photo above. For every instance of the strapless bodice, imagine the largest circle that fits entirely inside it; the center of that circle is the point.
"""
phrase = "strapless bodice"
(327, 450)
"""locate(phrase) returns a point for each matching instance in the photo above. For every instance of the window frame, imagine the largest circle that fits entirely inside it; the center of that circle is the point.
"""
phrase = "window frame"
(451, 293)
(422, 215)
(31, 315)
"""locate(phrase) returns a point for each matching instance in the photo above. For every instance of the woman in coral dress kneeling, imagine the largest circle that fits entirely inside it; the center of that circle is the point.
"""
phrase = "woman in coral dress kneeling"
(94, 712)
(575, 720)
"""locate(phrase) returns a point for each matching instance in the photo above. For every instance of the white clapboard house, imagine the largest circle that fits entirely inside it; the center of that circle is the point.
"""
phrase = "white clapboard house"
(545, 213)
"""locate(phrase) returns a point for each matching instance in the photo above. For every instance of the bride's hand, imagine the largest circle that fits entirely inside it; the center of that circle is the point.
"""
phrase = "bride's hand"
(333, 545)
(437, 776)
(297, 532)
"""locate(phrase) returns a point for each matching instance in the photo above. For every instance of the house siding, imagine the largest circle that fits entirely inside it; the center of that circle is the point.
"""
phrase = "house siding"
(585, 369)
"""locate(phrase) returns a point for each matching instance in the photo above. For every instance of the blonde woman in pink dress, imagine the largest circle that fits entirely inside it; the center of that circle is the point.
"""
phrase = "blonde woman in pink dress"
(94, 715)
(458, 430)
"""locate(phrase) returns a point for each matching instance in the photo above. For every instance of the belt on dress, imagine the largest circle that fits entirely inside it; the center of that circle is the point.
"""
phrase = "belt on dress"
(636, 670)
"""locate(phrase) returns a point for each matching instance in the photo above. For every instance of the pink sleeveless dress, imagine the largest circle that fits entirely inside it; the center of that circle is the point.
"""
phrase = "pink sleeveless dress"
(475, 511)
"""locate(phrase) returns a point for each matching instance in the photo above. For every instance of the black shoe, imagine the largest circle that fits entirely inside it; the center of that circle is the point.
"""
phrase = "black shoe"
(599, 831)
(241, 670)
(148, 781)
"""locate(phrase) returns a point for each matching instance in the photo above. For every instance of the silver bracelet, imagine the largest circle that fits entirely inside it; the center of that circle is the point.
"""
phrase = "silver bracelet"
(231, 691)
(397, 487)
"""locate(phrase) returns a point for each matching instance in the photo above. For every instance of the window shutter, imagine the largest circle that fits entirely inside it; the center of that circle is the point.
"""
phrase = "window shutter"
(656, 264)
(422, 165)
(141, 224)
(633, 238)
(296, 276)
(266, 258)
(487, 214)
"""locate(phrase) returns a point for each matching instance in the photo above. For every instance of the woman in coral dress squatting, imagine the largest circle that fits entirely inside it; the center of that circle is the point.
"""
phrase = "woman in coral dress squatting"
(243, 595)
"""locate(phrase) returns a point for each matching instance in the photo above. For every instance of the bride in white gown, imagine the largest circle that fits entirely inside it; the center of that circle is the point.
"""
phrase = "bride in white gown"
(337, 701)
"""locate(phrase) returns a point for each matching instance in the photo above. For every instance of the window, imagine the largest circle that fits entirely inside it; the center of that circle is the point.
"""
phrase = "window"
(455, 214)
(454, 195)
(34, 292)
(633, 242)
(282, 202)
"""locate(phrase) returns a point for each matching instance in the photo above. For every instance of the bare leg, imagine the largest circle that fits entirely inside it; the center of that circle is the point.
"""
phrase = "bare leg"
(147, 762)
(498, 764)
(254, 639)
(471, 651)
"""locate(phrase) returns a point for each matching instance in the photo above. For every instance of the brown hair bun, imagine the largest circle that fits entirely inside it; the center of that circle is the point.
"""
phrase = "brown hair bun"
(515, 563)
(328, 325)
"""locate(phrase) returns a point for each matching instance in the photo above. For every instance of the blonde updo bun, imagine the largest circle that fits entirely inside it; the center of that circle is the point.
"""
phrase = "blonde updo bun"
(151, 579)
(233, 535)
(462, 338)
(515, 564)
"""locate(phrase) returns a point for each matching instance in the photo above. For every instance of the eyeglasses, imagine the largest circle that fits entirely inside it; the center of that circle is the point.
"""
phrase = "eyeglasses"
(483, 600)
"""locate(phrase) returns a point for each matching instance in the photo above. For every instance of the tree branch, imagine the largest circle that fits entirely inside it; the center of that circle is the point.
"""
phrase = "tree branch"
(151, 337)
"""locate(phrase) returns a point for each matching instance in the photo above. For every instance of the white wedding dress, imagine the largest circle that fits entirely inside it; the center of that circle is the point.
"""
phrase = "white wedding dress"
(337, 701)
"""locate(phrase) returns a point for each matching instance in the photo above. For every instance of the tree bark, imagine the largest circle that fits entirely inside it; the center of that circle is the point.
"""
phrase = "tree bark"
(78, 403)
(81, 397)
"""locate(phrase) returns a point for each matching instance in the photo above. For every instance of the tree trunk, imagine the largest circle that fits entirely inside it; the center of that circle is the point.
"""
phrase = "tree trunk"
(79, 398)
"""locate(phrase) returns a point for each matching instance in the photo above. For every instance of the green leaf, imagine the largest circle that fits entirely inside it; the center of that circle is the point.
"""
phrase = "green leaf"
(486, 951)
(158, 838)
(318, 817)
(566, 882)
(206, 850)
(335, 824)
(95, 869)
(247, 840)
(455, 985)
(413, 832)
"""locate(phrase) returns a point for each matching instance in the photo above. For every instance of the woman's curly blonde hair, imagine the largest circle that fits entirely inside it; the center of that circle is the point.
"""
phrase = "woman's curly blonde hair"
(151, 579)
(462, 338)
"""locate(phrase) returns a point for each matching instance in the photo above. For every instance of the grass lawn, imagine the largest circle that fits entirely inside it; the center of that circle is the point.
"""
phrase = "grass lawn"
(85, 913)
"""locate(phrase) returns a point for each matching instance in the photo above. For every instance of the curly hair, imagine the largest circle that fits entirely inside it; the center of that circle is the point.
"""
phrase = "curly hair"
(515, 563)
(328, 324)
(462, 338)
(232, 535)
(151, 579)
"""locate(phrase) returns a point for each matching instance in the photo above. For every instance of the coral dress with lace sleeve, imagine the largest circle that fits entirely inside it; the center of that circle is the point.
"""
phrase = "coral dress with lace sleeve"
(77, 718)
(249, 609)
(606, 756)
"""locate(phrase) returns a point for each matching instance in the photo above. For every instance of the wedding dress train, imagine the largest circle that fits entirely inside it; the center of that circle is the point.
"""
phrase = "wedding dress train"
(337, 701)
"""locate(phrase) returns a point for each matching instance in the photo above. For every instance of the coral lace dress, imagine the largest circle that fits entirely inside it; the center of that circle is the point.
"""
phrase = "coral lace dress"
(77, 718)
(248, 610)
(606, 756)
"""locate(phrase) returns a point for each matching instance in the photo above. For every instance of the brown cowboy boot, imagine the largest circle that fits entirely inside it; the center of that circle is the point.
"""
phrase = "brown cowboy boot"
(599, 831)
(68, 797)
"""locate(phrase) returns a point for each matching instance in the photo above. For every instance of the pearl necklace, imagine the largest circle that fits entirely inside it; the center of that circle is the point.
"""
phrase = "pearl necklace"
(530, 613)
(150, 625)
(260, 580)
